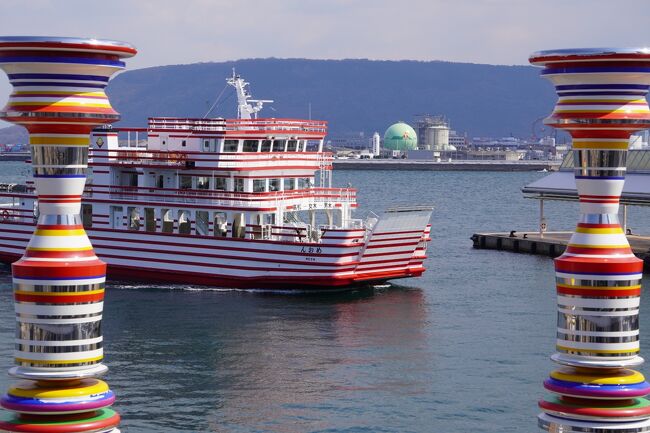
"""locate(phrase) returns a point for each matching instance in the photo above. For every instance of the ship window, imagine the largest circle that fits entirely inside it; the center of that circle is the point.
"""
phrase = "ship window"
(274, 184)
(185, 182)
(184, 224)
(303, 183)
(149, 219)
(184, 143)
(167, 221)
(289, 183)
(301, 145)
(266, 145)
(312, 145)
(230, 145)
(278, 145)
(202, 219)
(220, 224)
(269, 218)
(202, 182)
(238, 226)
(220, 183)
(239, 185)
(250, 145)
(87, 215)
(160, 182)
(129, 179)
(259, 185)
(134, 218)
(292, 145)
(206, 145)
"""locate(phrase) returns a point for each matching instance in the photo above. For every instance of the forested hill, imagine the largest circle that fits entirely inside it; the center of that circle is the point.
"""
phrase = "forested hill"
(353, 95)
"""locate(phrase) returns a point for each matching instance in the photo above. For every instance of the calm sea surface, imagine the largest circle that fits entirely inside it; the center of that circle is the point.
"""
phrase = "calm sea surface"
(464, 348)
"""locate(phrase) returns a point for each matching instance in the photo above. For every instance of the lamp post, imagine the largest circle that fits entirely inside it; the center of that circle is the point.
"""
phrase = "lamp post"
(59, 282)
(598, 278)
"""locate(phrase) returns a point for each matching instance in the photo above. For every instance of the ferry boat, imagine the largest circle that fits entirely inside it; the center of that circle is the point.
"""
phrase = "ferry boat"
(236, 203)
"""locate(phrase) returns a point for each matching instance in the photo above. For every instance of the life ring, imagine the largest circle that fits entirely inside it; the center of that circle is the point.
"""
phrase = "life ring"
(4, 215)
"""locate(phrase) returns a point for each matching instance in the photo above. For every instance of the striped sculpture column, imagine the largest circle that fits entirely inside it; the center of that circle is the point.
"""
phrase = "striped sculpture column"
(601, 102)
(59, 282)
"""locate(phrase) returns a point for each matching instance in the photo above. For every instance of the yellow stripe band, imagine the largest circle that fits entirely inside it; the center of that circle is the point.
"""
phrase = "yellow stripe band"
(622, 110)
(572, 349)
(33, 390)
(87, 292)
(56, 361)
(638, 286)
(62, 232)
(59, 104)
(59, 140)
(60, 249)
(611, 231)
(624, 377)
(599, 246)
(601, 145)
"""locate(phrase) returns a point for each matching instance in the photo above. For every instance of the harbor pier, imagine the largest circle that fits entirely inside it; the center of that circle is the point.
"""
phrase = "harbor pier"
(551, 244)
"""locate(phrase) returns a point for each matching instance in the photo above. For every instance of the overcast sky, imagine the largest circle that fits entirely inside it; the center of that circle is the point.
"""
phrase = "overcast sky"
(478, 31)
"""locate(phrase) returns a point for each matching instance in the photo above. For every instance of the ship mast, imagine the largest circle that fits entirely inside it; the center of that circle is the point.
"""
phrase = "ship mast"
(244, 108)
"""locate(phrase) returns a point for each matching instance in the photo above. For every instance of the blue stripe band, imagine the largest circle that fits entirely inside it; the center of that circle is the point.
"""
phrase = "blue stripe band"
(601, 86)
(60, 176)
(81, 60)
(61, 400)
(612, 93)
(579, 385)
(601, 177)
(57, 84)
(58, 77)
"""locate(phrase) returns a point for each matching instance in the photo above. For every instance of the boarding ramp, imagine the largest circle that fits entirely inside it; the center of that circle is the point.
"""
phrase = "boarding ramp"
(395, 240)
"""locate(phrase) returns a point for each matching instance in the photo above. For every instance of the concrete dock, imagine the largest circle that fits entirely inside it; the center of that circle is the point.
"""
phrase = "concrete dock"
(14, 156)
(454, 165)
(552, 244)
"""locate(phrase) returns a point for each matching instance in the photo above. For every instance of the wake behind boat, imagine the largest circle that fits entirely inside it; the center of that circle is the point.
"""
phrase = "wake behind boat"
(244, 202)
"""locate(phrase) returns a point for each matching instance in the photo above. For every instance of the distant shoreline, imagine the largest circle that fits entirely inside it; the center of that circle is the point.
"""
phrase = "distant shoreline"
(459, 165)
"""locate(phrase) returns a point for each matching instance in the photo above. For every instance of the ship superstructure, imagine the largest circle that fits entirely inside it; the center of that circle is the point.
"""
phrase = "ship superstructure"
(244, 202)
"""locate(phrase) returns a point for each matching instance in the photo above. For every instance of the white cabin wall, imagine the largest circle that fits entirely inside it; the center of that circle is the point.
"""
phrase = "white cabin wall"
(154, 141)
(192, 144)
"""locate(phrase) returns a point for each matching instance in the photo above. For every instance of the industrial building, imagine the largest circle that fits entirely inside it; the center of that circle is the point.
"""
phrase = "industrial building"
(433, 133)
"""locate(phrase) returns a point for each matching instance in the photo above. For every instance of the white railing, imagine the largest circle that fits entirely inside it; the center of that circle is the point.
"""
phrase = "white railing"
(300, 199)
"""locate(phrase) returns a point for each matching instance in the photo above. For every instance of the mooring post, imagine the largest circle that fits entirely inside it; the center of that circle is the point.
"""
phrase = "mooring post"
(59, 282)
(598, 279)
(542, 220)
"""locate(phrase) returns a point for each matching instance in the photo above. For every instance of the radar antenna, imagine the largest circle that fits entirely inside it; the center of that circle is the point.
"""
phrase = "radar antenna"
(244, 108)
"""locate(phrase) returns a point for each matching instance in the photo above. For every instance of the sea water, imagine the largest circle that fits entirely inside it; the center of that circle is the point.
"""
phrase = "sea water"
(463, 349)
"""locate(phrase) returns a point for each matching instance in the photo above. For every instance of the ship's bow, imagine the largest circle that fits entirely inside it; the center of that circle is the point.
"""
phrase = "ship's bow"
(396, 245)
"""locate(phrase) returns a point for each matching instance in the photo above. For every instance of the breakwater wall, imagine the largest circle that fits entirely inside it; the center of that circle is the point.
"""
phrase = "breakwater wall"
(15, 156)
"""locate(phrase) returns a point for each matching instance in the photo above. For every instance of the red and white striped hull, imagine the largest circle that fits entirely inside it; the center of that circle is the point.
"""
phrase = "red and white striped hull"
(343, 258)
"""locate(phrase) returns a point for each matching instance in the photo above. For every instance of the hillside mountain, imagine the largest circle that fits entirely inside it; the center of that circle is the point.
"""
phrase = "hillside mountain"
(13, 135)
(353, 95)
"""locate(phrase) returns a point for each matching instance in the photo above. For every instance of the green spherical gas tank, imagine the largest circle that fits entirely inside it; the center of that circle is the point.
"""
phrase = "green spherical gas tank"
(400, 136)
